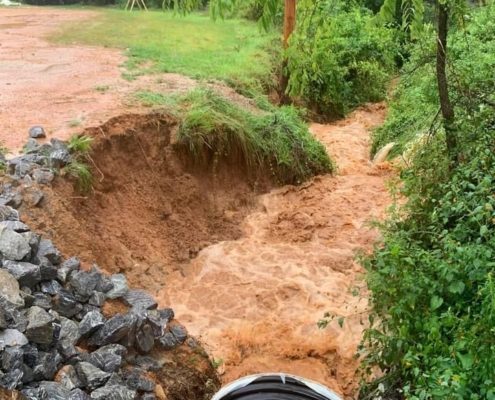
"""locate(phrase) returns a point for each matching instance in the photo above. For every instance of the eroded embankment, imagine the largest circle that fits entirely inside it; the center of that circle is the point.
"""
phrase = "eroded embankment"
(256, 301)
(250, 276)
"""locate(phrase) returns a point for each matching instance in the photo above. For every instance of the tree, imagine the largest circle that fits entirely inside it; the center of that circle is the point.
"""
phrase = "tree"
(412, 12)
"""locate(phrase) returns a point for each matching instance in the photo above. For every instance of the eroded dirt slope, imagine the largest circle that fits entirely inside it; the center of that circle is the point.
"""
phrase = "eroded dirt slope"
(256, 301)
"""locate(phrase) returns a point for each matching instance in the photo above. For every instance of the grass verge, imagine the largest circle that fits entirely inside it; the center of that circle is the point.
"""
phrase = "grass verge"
(234, 51)
(213, 129)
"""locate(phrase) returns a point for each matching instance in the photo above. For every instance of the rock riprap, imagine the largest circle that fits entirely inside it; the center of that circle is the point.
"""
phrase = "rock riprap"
(56, 341)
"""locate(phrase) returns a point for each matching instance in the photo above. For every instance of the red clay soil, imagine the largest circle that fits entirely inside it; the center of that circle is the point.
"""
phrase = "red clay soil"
(42, 83)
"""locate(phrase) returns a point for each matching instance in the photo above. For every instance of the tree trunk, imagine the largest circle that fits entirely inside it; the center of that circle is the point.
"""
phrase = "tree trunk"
(289, 25)
(443, 89)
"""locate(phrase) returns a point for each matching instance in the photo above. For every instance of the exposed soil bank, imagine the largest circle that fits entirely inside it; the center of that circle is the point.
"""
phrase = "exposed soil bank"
(256, 301)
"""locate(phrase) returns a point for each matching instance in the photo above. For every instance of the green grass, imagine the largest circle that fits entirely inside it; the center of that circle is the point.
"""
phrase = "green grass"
(276, 143)
(234, 51)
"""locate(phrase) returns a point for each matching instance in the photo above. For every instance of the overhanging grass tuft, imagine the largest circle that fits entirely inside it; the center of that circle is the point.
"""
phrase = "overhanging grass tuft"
(213, 129)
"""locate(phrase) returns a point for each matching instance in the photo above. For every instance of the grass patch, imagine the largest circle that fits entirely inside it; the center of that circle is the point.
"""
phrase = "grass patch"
(213, 129)
(150, 99)
(234, 51)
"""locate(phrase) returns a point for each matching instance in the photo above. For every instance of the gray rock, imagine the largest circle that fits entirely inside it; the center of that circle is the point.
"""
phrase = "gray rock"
(31, 393)
(12, 358)
(169, 341)
(109, 358)
(9, 288)
(37, 132)
(167, 314)
(8, 213)
(48, 363)
(43, 176)
(12, 379)
(11, 198)
(105, 284)
(48, 250)
(114, 330)
(27, 274)
(136, 381)
(58, 144)
(78, 394)
(120, 286)
(31, 146)
(69, 332)
(140, 300)
(13, 246)
(114, 393)
(97, 299)
(157, 323)
(12, 337)
(91, 322)
(147, 363)
(30, 354)
(84, 283)
(53, 391)
(16, 226)
(66, 304)
(148, 396)
(145, 338)
(91, 376)
(50, 287)
(59, 158)
(3, 320)
(33, 239)
(40, 328)
(179, 332)
(73, 264)
(33, 197)
(42, 300)
(69, 379)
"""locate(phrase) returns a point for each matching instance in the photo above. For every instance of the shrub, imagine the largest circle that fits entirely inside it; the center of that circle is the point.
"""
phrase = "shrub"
(432, 331)
(213, 129)
(339, 58)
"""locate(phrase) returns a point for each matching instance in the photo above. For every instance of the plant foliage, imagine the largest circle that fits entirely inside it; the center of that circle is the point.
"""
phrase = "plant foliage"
(213, 129)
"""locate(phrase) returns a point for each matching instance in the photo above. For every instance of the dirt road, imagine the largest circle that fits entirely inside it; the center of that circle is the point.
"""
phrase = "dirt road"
(256, 301)
(63, 88)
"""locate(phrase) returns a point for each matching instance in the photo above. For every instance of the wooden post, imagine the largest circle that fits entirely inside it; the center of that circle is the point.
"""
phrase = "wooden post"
(289, 25)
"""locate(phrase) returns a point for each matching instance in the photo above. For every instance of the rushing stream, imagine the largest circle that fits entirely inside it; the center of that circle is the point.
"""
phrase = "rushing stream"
(255, 302)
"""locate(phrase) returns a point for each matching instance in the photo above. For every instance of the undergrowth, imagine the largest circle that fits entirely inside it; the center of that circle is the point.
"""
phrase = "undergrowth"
(78, 168)
(432, 333)
(213, 130)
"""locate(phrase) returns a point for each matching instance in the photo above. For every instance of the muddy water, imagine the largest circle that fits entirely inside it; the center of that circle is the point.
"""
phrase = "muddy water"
(255, 302)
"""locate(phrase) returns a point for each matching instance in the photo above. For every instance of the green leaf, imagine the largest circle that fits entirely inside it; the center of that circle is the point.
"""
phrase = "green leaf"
(436, 302)
(467, 360)
(457, 287)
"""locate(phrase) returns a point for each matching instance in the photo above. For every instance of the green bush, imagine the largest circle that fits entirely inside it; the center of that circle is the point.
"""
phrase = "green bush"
(339, 57)
(277, 142)
(432, 283)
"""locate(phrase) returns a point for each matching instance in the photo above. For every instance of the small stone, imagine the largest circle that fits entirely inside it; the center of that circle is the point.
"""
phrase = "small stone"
(37, 132)
(114, 330)
(33, 197)
(16, 226)
(9, 288)
(145, 338)
(33, 239)
(69, 332)
(114, 393)
(27, 274)
(31, 146)
(105, 284)
(140, 300)
(43, 176)
(59, 158)
(42, 300)
(48, 250)
(147, 363)
(48, 363)
(97, 299)
(179, 332)
(8, 214)
(66, 304)
(49, 272)
(12, 358)
(12, 379)
(15, 317)
(120, 287)
(78, 394)
(58, 144)
(30, 355)
(136, 381)
(40, 328)
(91, 376)
(13, 246)
(109, 358)
(148, 396)
(169, 341)
(84, 283)
(69, 379)
(53, 391)
(90, 323)
(51, 287)
(167, 314)
(31, 393)
(157, 323)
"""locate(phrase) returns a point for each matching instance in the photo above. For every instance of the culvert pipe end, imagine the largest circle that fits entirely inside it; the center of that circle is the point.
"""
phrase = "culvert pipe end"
(275, 386)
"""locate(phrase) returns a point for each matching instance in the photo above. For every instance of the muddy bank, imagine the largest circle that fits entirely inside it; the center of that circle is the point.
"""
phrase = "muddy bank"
(148, 214)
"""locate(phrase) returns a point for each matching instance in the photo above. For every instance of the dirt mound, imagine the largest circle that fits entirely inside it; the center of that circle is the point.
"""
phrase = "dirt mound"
(149, 214)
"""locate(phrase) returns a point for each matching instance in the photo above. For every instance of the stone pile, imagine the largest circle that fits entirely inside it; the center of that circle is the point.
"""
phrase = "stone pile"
(55, 340)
